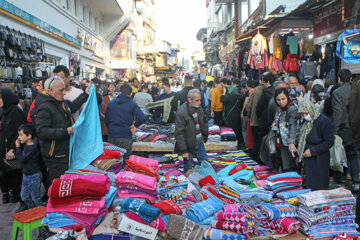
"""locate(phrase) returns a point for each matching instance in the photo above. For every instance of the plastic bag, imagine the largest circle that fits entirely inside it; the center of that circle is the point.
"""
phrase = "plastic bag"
(337, 155)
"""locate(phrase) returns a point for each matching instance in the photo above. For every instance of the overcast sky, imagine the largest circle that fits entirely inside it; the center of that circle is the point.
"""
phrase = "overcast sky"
(178, 21)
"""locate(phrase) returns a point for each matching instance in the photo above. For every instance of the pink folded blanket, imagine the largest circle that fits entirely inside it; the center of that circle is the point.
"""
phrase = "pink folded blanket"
(84, 207)
(231, 207)
(158, 223)
(148, 161)
(125, 194)
(140, 180)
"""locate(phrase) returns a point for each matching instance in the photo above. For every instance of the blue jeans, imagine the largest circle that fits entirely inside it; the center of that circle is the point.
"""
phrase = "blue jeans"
(30, 190)
(200, 154)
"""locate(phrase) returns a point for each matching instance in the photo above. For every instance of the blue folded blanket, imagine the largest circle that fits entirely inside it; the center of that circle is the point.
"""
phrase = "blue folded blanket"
(284, 175)
(292, 194)
(147, 212)
(202, 210)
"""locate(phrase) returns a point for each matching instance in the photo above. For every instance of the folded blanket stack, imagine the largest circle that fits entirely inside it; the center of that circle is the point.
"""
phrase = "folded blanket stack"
(79, 198)
(327, 213)
(173, 188)
(289, 181)
(227, 134)
(131, 184)
(263, 172)
(239, 222)
(214, 130)
(142, 168)
(204, 209)
(111, 159)
(142, 212)
(273, 219)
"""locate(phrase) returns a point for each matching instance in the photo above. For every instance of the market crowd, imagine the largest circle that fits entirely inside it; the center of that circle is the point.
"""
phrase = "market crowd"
(277, 121)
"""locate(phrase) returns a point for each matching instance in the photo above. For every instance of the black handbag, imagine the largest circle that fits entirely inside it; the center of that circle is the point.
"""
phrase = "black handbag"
(270, 142)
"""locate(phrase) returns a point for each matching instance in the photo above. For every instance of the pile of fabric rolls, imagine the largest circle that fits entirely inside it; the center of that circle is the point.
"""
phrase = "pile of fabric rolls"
(327, 213)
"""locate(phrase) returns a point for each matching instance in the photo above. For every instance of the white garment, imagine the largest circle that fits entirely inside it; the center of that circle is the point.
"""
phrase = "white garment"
(141, 99)
(257, 45)
(71, 96)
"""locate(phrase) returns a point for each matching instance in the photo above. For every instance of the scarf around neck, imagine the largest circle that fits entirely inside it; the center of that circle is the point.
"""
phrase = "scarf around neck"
(306, 106)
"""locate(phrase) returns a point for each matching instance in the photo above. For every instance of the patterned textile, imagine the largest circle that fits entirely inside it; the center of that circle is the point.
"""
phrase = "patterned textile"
(263, 195)
(231, 207)
(244, 228)
(162, 103)
(147, 212)
(204, 209)
(216, 234)
(289, 181)
(276, 210)
(113, 147)
(168, 207)
(239, 217)
(291, 194)
(227, 192)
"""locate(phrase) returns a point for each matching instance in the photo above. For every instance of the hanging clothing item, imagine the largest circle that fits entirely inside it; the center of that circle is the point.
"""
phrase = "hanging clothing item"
(259, 62)
(291, 63)
(275, 47)
(293, 43)
(275, 65)
(258, 45)
(308, 46)
(309, 70)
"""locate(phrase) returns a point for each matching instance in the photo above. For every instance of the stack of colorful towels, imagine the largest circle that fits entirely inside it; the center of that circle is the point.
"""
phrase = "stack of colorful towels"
(131, 184)
(227, 134)
(263, 172)
(289, 181)
(327, 213)
(81, 198)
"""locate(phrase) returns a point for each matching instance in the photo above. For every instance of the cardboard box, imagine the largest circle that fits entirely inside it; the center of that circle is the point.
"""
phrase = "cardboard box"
(135, 228)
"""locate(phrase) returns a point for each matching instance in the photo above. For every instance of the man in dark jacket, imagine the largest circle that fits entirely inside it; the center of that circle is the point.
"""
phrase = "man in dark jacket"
(262, 105)
(354, 113)
(53, 121)
(181, 97)
(340, 102)
(122, 117)
(191, 130)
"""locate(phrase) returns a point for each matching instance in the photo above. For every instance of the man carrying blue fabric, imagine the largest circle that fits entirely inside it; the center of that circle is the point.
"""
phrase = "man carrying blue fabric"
(122, 117)
(191, 130)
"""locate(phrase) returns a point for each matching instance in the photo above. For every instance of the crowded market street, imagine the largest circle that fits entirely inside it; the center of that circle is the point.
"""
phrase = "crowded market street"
(185, 120)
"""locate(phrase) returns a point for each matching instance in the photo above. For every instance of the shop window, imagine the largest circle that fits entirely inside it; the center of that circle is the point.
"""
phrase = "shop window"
(76, 8)
(90, 19)
(68, 4)
(96, 25)
(84, 14)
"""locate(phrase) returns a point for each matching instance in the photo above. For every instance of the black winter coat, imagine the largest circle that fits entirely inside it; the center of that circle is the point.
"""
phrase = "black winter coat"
(180, 96)
(262, 108)
(185, 129)
(52, 119)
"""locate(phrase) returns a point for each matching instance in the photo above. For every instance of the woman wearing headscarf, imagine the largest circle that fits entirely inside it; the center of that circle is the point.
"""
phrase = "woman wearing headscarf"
(12, 117)
(285, 124)
(316, 138)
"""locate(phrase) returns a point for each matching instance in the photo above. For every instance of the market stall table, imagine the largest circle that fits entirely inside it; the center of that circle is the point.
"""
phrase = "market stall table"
(169, 147)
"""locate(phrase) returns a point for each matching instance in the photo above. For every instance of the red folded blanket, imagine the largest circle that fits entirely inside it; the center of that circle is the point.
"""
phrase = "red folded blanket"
(207, 180)
(65, 188)
(237, 168)
(168, 207)
(108, 154)
(61, 202)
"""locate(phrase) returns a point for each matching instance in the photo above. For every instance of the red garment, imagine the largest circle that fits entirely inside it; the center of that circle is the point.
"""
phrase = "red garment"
(259, 62)
(207, 180)
(31, 107)
(66, 188)
(168, 207)
(249, 141)
(237, 169)
(291, 63)
(145, 169)
(109, 154)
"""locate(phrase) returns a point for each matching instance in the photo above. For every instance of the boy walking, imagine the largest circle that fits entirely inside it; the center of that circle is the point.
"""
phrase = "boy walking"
(29, 156)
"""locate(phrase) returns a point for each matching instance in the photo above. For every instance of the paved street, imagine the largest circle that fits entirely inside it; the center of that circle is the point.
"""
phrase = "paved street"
(6, 210)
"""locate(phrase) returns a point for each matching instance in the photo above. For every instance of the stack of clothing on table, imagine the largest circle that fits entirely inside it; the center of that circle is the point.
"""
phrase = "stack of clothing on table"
(214, 134)
(201, 211)
(274, 219)
(76, 198)
(291, 196)
(327, 213)
(111, 159)
(227, 134)
(263, 172)
(131, 184)
(142, 212)
(283, 182)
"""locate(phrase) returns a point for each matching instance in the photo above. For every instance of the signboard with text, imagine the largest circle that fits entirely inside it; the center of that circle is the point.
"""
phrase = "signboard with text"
(328, 20)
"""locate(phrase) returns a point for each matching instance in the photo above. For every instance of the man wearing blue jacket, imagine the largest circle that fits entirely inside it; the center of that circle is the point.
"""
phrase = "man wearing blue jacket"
(122, 117)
